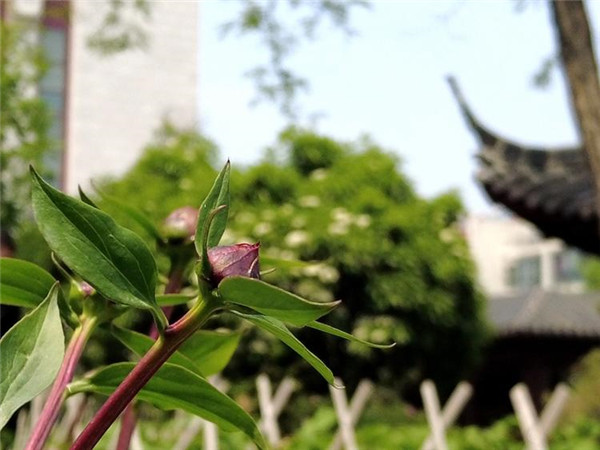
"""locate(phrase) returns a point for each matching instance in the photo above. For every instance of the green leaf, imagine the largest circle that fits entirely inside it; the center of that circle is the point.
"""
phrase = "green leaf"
(272, 301)
(204, 353)
(135, 214)
(23, 283)
(342, 334)
(113, 259)
(173, 299)
(31, 353)
(279, 330)
(283, 264)
(174, 387)
(211, 225)
(218, 196)
(85, 199)
(211, 350)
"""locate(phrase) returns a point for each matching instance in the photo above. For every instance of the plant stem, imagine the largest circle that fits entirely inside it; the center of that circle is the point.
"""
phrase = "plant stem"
(128, 422)
(65, 375)
(158, 354)
(129, 418)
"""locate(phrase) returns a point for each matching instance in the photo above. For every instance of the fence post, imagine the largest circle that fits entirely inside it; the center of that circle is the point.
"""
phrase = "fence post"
(270, 407)
(452, 409)
(535, 432)
(357, 404)
(210, 438)
(553, 408)
(431, 403)
(348, 416)
(527, 417)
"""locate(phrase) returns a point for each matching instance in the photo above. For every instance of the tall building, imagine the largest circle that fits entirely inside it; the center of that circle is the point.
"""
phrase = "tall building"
(107, 106)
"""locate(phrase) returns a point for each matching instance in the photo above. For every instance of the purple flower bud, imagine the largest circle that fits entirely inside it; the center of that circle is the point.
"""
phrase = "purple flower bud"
(239, 259)
(181, 223)
(86, 289)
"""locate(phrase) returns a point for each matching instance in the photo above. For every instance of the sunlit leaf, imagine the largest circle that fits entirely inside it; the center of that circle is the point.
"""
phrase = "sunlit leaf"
(113, 259)
(279, 330)
(342, 334)
(84, 198)
(174, 387)
(283, 264)
(23, 283)
(133, 213)
(272, 301)
(205, 352)
(211, 350)
(210, 226)
(31, 353)
(173, 299)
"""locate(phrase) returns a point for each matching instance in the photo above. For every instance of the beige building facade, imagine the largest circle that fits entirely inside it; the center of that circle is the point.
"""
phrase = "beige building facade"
(107, 107)
(512, 256)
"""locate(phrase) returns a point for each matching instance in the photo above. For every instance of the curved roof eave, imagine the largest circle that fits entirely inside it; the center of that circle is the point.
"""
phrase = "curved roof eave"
(552, 188)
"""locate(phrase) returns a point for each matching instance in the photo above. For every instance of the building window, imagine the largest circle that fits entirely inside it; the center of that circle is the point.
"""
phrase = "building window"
(567, 265)
(525, 273)
(53, 85)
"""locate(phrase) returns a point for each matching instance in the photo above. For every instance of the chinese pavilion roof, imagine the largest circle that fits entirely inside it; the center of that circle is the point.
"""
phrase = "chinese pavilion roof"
(552, 188)
(544, 313)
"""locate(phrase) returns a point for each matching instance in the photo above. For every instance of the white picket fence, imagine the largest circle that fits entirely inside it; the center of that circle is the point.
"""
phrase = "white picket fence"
(535, 430)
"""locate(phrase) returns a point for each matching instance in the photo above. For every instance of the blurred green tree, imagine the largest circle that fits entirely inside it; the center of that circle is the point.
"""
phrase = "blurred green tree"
(399, 262)
(24, 125)
(590, 269)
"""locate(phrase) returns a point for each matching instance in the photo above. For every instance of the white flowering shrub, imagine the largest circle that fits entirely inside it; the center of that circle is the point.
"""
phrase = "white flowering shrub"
(398, 261)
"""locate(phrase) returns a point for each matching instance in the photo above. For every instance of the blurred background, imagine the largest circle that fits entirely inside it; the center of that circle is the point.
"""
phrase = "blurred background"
(422, 158)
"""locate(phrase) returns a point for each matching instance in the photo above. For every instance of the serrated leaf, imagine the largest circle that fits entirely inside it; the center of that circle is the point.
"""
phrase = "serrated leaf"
(204, 353)
(31, 353)
(23, 283)
(272, 301)
(212, 219)
(279, 330)
(174, 387)
(342, 334)
(113, 259)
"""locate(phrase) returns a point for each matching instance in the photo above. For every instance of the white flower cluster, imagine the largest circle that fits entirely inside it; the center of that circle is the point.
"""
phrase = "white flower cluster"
(309, 201)
(318, 174)
(262, 229)
(343, 219)
(296, 238)
(325, 273)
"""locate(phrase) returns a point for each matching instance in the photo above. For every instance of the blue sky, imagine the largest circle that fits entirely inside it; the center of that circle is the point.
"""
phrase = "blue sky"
(389, 81)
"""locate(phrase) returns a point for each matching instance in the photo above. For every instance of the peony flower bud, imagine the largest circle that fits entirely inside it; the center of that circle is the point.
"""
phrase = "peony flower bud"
(86, 289)
(181, 224)
(239, 259)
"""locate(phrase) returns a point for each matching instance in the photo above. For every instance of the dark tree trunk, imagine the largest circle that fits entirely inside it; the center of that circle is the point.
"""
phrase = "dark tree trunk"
(577, 55)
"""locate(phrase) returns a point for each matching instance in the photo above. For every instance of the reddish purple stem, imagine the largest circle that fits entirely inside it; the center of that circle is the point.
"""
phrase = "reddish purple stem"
(65, 375)
(129, 419)
(162, 349)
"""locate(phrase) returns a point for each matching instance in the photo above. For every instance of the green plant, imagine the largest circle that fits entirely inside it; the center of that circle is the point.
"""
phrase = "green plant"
(111, 270)
(349, 213)
(585, 382)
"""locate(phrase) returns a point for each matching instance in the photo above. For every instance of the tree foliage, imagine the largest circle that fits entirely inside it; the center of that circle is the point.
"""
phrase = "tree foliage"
(270, 21)
(24, 121)
(590, 269)
(398, 261)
